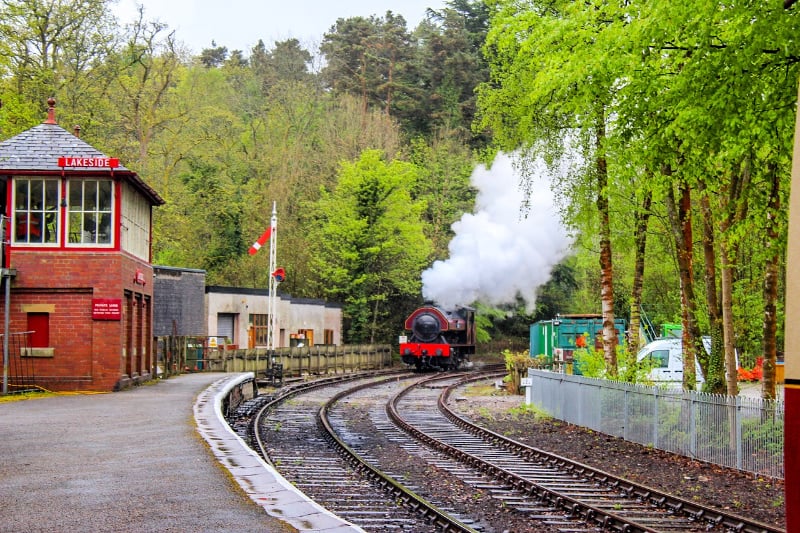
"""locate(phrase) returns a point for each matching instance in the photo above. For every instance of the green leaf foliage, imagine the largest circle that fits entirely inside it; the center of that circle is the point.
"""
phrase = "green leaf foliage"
(370, 243)
(368, 142)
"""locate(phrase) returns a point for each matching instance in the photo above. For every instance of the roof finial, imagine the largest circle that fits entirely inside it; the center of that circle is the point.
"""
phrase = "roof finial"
(77, 130)
(51, 111)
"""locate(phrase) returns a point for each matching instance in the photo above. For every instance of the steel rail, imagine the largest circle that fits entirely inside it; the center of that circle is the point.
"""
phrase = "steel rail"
(574, 508)
(442, 520)
(296, 389)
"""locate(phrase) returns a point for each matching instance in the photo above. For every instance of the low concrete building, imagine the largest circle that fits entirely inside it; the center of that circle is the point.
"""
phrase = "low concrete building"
(239, 317)
(235, 316)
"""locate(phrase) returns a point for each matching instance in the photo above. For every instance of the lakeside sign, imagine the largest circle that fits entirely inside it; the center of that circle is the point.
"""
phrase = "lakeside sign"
(88, 162)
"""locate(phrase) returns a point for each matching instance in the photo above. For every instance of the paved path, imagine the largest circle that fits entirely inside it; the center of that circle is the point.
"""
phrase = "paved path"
(125, 461)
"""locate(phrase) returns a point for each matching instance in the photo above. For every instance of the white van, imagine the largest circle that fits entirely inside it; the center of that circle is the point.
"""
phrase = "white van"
(667, 357)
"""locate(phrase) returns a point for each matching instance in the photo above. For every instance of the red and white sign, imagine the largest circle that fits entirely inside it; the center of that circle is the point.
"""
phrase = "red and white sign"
(138, 277)
(88, 162)
(107, 308)
(260, 242)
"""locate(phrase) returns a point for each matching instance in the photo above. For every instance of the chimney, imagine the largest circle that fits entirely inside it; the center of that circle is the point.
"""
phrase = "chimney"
(51, 111)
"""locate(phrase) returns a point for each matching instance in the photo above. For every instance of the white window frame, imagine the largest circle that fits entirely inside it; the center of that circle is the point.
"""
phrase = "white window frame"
(90, 222)
(44, 211)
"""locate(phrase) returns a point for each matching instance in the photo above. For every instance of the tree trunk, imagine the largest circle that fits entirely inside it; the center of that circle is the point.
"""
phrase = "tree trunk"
(364, 94)
(642, 218)
(736, 210)
(771, 289)
(713, 364)
(606, 263)
(726, 290)
(681, 223)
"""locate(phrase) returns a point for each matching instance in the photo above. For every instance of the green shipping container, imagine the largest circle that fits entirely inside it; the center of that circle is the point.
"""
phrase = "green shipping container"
(558, 338)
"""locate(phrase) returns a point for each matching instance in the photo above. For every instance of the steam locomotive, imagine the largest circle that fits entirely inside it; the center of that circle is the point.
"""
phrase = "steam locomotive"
(439, 339)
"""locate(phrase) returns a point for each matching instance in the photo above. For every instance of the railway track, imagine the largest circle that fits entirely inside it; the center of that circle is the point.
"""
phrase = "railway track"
(295, 434)
(312, 439)
(549, 482)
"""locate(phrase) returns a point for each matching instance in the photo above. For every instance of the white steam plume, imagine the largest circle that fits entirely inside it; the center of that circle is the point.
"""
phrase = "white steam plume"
(497, 253)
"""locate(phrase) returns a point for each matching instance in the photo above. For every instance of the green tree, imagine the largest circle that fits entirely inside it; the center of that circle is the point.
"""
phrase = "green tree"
(444, 185)
(370, 244)
(556, 296)
(293, 145)
(286, 62)
(213, 57)
(366, 57)
(55, 49)
(449, 65)
(199, 173)
(720, 141)
(140, 102)
(545, 92)
(624, 77)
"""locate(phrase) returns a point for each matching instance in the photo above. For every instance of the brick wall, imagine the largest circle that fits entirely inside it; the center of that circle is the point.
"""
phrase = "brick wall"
(88, 354)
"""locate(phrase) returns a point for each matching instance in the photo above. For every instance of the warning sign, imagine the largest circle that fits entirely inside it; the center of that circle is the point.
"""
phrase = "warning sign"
(107, 308)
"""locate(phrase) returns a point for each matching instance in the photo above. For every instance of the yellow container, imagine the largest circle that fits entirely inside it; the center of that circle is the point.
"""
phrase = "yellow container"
(779, 372)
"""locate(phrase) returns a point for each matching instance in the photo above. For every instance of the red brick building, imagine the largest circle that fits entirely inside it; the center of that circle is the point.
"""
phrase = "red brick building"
(76, 261)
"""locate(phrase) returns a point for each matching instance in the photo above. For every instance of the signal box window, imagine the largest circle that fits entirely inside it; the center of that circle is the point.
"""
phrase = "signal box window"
(90, 211)
(35, 211)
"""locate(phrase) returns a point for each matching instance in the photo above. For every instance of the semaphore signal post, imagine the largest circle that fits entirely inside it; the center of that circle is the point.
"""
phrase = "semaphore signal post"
(276, 275)
(272, 306)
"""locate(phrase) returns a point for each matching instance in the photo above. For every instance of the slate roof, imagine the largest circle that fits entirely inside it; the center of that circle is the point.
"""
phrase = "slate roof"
(39, 148)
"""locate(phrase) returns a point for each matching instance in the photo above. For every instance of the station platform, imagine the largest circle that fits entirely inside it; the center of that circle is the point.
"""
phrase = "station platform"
(158, 458)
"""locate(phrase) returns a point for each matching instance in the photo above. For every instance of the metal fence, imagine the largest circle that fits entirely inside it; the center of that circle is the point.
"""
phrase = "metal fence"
(731, 431)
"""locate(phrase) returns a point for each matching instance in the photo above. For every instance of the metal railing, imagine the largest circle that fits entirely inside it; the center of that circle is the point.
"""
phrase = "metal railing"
(731, 431)
(647, 326)
(19, 375)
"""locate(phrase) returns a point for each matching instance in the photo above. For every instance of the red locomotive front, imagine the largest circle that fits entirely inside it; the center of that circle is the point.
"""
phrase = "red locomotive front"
(439, 339)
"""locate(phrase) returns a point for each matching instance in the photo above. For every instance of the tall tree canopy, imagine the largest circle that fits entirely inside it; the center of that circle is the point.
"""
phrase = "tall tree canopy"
(681, 100)
(370, 243)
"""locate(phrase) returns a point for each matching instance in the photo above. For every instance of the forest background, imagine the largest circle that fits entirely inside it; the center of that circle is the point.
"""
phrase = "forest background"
(676, 120)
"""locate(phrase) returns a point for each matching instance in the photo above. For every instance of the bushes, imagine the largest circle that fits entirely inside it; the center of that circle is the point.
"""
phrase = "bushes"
(592, 364)
(517, 364)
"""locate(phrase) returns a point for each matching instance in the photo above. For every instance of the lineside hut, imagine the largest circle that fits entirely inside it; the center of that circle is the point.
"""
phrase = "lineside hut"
(76, 263)
(238, 317)
(179, 320)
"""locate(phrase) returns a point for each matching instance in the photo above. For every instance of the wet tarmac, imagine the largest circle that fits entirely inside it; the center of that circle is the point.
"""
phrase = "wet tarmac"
(154, 458)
